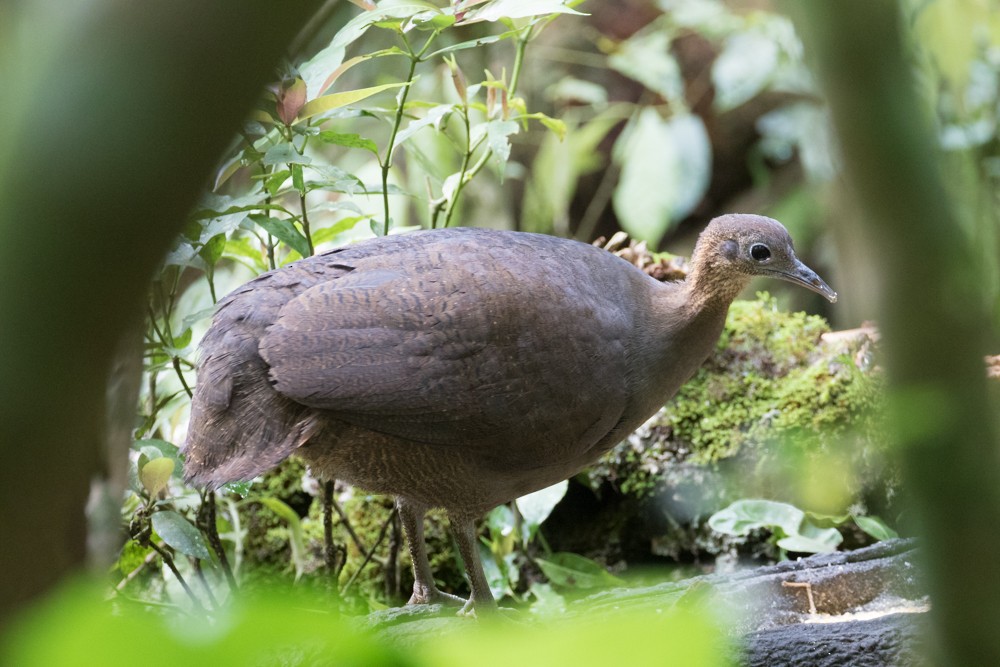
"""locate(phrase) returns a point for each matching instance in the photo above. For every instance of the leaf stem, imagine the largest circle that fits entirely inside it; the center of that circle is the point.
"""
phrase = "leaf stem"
(169, 560)
(465, 167)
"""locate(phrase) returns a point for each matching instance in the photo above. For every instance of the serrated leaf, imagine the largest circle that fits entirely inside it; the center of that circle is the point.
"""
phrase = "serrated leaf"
(156, 474)
(180, 534)
(284, 231)
(342, 99)
(349, 140)
(875, 527)
(574, 571)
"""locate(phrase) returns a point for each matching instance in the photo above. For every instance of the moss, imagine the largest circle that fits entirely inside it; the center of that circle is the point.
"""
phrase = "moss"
(770, 380)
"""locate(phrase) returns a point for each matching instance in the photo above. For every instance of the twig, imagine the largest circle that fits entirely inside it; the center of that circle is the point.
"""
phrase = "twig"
(120, 586)
(168, 559)
(368, 557)
(206, 517)
(196, 564)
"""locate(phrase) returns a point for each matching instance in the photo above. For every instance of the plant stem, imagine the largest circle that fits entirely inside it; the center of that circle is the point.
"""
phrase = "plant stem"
(168, 559)
(371, 552)
(452, 205)
(207, 518)
(386, 162)
(305, 224)
(180, 374)
(515, 75)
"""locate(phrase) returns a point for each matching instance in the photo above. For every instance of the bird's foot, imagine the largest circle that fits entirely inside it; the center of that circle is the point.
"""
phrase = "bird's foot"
(426, 595)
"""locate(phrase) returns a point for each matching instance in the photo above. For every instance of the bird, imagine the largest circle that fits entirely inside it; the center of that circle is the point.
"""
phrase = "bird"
(461, 368)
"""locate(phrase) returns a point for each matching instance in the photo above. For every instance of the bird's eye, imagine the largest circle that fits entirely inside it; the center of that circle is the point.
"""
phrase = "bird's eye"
(760, 252)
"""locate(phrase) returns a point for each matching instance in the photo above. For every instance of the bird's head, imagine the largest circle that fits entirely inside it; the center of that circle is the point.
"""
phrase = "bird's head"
(736, 247)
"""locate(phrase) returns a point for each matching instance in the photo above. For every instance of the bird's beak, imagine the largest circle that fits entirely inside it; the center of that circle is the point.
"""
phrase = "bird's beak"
(801, 274)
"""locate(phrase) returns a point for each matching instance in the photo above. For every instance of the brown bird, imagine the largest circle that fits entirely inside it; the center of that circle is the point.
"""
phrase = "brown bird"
(461, 368)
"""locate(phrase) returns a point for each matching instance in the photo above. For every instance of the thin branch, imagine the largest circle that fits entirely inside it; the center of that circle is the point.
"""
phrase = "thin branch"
(368, 557)
(168, 559)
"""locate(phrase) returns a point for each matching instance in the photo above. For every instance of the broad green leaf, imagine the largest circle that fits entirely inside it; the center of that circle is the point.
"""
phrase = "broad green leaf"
(349, 140)
(327, 234)
(167, 448)
(647, 58)
(665, 171)
(875, 527)
(574, 571)
(496, 577)
(212, 250)
(517, 9)
(745, 66)
(342, 99)
(500, 521)
(284, 153)
(497, 138)
(180, 534)
(276, 180)
(571, 89)
(743, 516)
(156, 474)
(536, 507)
(811, 539)
(434, 116)
(284, 231)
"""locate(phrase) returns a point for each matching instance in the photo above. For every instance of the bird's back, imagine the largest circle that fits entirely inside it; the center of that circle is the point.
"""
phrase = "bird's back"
(509, 348)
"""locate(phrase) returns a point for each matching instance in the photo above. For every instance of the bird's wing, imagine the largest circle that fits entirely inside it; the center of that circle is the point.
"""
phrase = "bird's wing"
(461, 354)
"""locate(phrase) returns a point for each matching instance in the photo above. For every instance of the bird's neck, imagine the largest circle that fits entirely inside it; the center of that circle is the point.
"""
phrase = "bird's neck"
(711, 286)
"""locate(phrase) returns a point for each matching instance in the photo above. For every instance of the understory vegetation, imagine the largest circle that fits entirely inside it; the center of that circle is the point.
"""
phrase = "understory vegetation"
(420, 114)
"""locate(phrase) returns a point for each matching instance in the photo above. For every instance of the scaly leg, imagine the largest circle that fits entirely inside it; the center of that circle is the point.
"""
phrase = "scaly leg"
(424, 589)
(464, 528)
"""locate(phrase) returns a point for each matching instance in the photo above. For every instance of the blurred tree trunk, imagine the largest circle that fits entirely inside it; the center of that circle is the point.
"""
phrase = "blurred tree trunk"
(114, 114)
(932, 312)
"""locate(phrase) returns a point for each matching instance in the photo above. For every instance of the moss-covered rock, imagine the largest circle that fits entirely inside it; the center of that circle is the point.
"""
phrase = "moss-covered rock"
(784, 409)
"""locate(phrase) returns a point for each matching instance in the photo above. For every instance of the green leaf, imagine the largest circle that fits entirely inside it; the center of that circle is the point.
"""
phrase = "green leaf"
(812, 540)
(571, 570)
(275, 181)
(297, 541)
(547, 601)
(517, 9)
(297, 181)
(501, 523)
(284, 153)
(212, 251)
(283, 230)
(349, 140)
(647, 59)
(239, 488)
(665, 171)
(745, 66)
(228, 168)
(536, 507)
(497, 138)
(156, 474)
(875, 527)
(342, 99)
(473, 43)
(743, 516)
(327, 234)
(180, 534)
(434, 116)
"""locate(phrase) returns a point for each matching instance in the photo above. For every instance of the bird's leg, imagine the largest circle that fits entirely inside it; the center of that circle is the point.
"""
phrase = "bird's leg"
(464, 528)
(424, 589)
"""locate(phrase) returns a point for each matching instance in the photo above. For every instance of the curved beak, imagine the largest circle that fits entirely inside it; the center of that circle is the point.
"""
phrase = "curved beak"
(801, 274)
